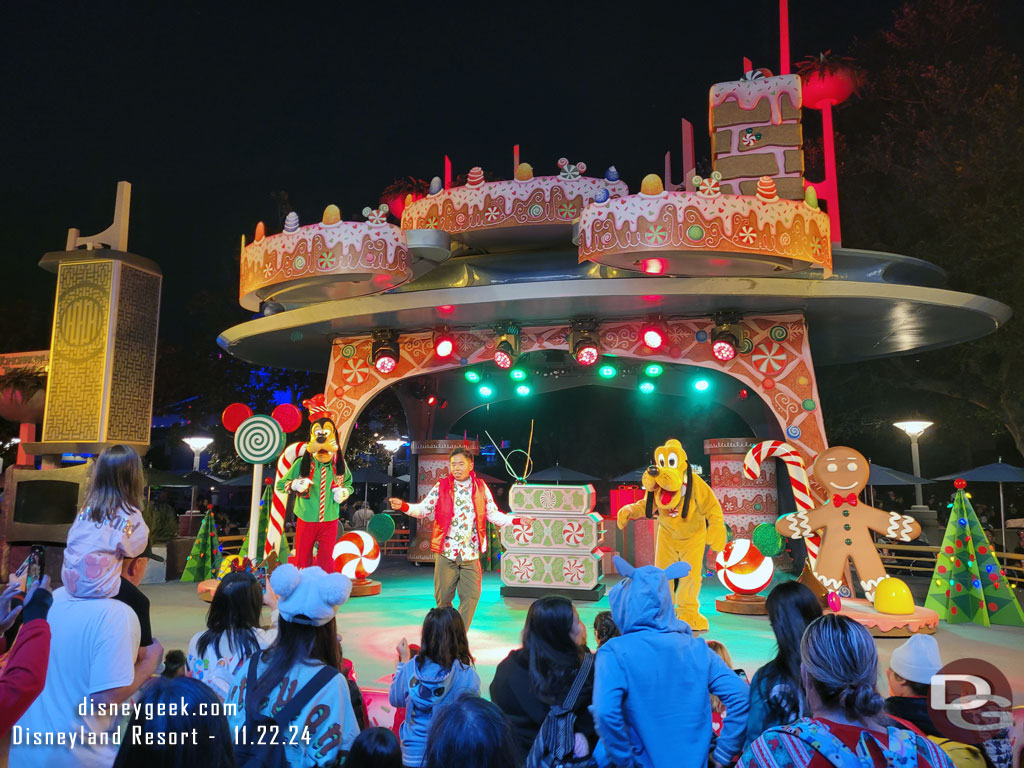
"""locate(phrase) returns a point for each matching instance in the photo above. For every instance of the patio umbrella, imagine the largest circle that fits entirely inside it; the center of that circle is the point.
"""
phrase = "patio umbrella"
(370, 475)
(884, 476)
(992, 473)
(559, 474)
(630, 477)
(159, 478)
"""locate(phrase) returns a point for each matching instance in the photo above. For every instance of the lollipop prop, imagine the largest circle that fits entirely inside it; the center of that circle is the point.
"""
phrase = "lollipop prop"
(258, 440)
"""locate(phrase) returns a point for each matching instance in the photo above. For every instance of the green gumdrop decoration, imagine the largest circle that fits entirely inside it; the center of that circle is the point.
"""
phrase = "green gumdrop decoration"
(729, 535)
(381, 527)
(767, 540)
(811, 198)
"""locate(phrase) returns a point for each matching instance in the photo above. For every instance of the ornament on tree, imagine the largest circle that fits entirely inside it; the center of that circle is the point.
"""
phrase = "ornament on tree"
(968, 583)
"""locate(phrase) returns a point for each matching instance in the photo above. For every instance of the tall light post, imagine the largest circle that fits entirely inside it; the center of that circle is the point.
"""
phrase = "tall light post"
(198, 443)
(391, 445)
(914, 430)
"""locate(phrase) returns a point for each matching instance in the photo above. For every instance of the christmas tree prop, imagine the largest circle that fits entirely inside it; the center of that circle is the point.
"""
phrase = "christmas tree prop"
(968, 584)
(283, 551)
(204, 560)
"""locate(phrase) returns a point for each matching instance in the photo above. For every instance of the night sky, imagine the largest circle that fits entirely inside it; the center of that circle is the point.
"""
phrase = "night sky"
(210, 111)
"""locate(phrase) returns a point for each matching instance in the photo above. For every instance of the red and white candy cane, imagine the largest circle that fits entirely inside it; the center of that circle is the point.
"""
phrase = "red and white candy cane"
(777, 449)
(277, 510)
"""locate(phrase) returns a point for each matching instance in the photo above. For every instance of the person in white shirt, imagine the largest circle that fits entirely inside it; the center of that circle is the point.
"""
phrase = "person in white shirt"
(461, 505)
(94, 664)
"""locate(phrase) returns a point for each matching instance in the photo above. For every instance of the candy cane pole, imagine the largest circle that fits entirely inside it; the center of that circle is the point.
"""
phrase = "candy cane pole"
(254, 509)
(777, 449)
(275, 528)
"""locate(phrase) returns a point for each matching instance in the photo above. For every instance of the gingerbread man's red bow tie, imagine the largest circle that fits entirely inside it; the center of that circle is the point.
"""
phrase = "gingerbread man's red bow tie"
(840, 500)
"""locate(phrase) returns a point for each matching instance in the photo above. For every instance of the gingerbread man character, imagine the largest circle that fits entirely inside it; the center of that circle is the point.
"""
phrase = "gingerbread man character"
(846, 523)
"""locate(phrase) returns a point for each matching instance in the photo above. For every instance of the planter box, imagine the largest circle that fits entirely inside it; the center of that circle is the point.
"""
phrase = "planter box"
(156, 572)
(177, 551)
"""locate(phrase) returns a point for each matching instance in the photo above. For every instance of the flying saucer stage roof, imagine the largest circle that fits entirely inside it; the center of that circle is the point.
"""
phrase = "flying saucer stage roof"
(876, 305)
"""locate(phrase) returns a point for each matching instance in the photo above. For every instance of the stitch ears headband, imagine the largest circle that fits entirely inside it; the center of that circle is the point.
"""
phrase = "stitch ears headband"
(675, 571)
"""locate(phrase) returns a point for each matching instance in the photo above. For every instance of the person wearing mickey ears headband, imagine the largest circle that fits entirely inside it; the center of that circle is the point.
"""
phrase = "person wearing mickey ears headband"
(461, 505)
(317, 725)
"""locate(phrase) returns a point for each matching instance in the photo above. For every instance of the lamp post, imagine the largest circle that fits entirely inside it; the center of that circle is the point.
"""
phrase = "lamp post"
(914, 430)
(391, 444)
(198, 443)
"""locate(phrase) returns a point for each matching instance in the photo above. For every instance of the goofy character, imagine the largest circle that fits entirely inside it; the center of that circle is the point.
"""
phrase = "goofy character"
(316, 487)
(689, 518)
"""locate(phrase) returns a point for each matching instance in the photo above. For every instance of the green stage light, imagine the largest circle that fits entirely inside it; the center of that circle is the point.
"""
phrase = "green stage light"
(485, 390)
(523, 390)
(654, 370)
(472, 377)
(702, 385)
(517, 374)
(607, 372)
(647, 387)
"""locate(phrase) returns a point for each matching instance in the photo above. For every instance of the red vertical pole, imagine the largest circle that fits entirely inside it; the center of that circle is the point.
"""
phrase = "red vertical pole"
(783, 37)
(515, 158)
(688, 164)
(26, 434)
(831, 179)
(447, 172)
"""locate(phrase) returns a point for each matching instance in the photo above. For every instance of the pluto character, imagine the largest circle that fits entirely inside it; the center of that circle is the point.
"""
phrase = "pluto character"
(316, 487)
(689, 517)
(846, 524)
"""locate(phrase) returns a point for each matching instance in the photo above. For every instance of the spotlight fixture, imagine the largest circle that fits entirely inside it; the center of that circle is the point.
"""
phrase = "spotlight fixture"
(646, 387)
(506, 345)
(702, 385)
(725, 336)
(517, 374)
(472, 376)
(485, 390)
(384, 351)
(583, 342)
(444, 343)
(523, 390)
(607, 372)
(654, 333)
(431, 399)
(654, 370)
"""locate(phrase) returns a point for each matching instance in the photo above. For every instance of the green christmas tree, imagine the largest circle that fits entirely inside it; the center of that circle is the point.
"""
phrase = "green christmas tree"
(968, 583)
(283, 550)
(204, 560)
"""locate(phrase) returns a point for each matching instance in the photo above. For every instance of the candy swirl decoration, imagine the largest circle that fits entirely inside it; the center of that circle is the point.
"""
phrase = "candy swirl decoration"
(356, 554)
(547, 499)
(523, 569)
(572, 533)
(522, 533)
(742, 568)
(573, 570)
(769, 357)
(259, 439)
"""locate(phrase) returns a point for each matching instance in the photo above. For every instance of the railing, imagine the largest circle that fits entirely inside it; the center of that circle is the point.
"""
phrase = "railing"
(397, 545)
(907, 558)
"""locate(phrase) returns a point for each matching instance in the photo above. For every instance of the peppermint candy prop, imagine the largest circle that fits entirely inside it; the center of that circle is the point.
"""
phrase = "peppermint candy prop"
(357, 555)
(742, 569)
(572, 533)
(258, 440)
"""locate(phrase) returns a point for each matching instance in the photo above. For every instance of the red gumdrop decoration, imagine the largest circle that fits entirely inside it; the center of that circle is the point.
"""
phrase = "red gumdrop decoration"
(960, 483)
(958, 563)
(959, 543)
(209, 506)
(266, 481)
(949, 550)
(339, 391)
(942, 569)
(993, 607)
(947, 593)
(953, 610)
(288, 416)
(233, 416)
(959, 588)
(982, 550)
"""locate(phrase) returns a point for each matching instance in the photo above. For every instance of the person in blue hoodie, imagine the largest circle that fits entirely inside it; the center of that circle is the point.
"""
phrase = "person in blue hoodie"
(651, 704)
(423, 684)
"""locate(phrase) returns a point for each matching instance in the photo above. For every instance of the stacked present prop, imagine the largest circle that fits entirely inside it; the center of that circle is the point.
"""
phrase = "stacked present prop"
(557, 553)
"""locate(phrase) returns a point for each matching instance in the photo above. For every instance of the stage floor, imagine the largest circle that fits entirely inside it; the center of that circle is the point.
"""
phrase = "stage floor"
(372, 626)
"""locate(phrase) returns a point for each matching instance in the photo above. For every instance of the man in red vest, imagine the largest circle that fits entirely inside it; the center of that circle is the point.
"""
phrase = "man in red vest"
(462, 505)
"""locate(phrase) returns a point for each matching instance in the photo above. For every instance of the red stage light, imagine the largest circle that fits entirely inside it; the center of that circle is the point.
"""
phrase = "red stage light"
(431, 400)
(653, 337)
(744, 394)
(444, 345)
(587, 354)
(444, 404)
(723, 351)
(446, 309)
(385, 363)
(502, 359)
(653, 266)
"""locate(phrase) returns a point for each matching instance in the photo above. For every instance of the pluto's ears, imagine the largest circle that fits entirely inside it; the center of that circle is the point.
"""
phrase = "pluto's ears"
(623, 567)
(678, 570)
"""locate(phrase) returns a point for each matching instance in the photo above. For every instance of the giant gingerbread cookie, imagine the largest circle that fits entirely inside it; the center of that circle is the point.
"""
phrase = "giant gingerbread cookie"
(845, 523)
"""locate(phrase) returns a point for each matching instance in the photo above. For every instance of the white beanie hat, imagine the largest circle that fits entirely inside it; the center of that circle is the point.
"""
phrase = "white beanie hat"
(309, 596)
(917, 659)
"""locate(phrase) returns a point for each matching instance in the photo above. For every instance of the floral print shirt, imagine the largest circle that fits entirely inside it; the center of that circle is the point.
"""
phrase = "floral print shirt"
(461, 541)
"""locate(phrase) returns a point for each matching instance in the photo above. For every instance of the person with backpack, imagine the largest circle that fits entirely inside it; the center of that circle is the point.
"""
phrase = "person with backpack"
(532, 683)
(441, 670)
(651, 686)
(316, 723)
(839, 670)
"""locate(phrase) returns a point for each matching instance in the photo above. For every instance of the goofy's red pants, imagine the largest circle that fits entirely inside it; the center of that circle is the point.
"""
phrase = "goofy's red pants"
(307, 534)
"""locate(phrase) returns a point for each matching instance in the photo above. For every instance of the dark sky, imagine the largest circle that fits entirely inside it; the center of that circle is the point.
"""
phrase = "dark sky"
(208, 110)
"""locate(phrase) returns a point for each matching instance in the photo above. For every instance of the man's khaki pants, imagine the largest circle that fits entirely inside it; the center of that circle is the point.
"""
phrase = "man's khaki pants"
(451, 576)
